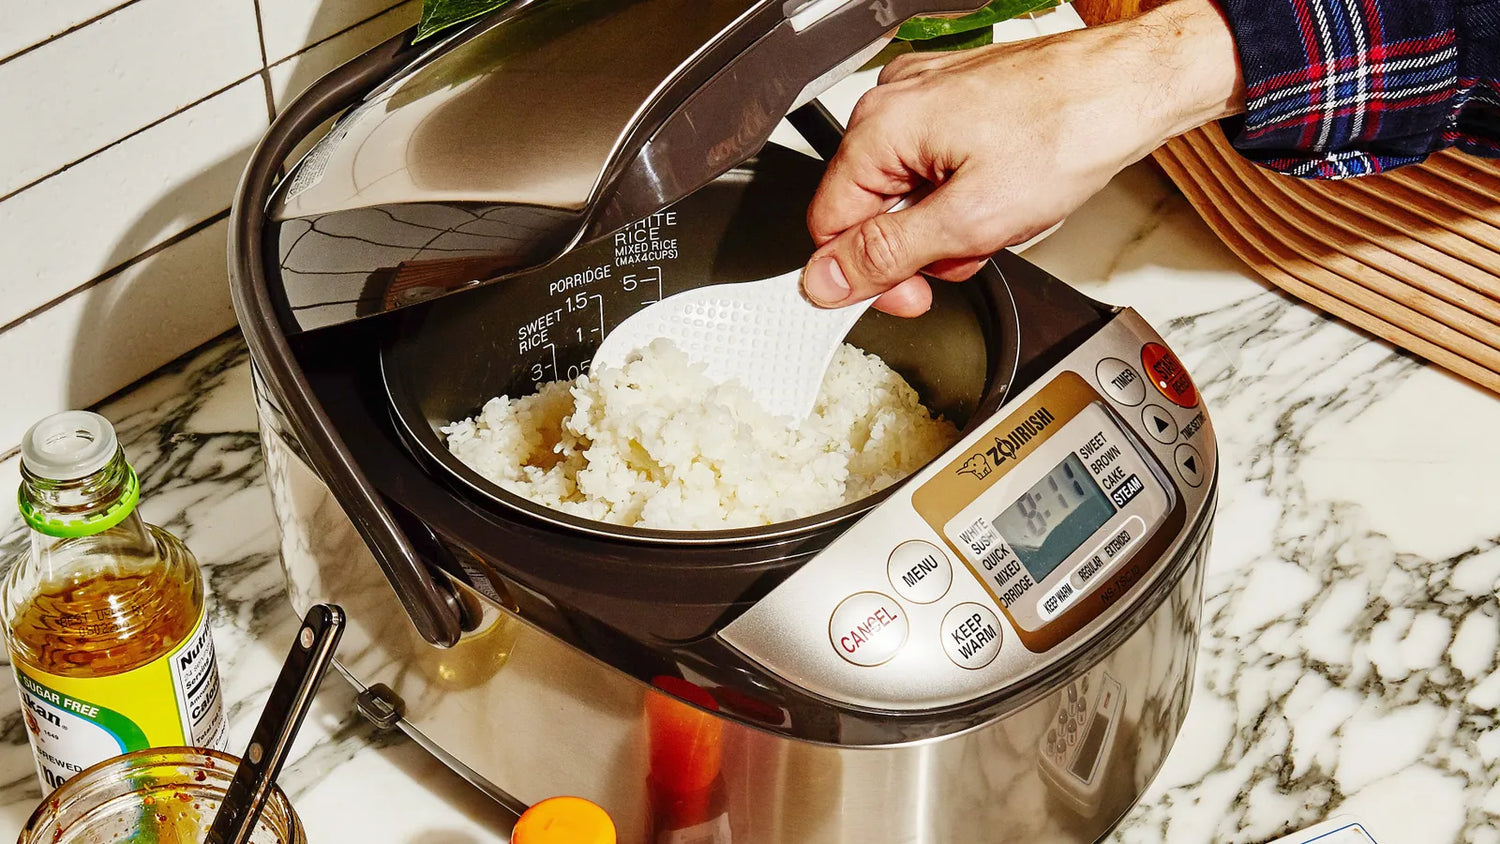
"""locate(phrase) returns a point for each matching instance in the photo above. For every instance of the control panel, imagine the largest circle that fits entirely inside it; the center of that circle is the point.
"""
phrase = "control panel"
(1078, 746)
(1036, 530)
(1048, 508)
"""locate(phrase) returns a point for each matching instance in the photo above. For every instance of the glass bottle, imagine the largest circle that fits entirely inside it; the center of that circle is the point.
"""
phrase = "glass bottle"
(685, 784)
(105, 617)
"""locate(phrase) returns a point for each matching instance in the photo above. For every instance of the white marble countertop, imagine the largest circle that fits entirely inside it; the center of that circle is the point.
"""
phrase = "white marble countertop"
(1348, 659)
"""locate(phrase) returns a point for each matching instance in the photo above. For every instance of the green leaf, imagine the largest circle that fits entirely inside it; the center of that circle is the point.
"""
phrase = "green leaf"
(956, 41)
(921, 29)
(438, 15)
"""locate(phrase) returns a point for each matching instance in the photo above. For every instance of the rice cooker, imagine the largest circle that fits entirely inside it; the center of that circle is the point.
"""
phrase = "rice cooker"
(998, 649)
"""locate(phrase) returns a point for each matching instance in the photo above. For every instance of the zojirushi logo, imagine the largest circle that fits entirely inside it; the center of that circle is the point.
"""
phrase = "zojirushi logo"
(1006, 446)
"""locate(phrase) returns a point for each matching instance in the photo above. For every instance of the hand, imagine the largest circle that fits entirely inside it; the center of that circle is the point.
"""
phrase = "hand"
(1009, 139)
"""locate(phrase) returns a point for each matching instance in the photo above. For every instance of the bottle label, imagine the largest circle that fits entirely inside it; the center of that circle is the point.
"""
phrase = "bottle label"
(713, 831)
(74, 722)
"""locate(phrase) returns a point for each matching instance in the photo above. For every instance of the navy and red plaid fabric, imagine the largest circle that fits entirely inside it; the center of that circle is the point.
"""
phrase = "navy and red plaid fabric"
(1339, 88)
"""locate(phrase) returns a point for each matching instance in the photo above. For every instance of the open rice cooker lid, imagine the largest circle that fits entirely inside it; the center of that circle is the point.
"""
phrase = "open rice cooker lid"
(545, 124)
(492, 150)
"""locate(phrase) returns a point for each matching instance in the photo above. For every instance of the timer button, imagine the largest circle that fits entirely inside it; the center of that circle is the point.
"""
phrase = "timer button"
(1159, 424)
(971, 635)
(920, 571)
(868, 628)
(1169, 375)
(1120, 381)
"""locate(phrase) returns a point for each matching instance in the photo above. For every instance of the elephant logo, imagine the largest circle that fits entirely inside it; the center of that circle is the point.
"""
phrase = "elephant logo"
(977, 466)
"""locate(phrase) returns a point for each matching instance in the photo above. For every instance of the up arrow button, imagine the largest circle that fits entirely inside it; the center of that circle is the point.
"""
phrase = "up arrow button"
(1189, 465)
(1159, 424)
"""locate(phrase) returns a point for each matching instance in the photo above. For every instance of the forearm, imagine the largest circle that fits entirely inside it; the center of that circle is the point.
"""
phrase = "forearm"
(1191, 47)
(1163, 73)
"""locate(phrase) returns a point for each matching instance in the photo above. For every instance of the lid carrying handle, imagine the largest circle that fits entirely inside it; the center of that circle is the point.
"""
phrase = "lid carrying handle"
(428, 600)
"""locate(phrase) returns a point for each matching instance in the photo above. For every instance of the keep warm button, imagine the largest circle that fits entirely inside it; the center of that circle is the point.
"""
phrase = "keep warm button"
(971, 635)
(867, 628)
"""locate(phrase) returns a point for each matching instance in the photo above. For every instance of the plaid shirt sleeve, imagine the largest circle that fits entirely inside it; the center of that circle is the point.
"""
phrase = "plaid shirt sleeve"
(1339, 88)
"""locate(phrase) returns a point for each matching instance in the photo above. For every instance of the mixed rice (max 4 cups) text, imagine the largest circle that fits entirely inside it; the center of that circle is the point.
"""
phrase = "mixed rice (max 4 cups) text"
(656, 444)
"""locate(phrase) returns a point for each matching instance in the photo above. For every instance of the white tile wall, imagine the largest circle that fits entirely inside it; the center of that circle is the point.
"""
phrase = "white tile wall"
(116, 331)
(119, 74)
(44, 20)
(290, 25)
(126, 199)
(291, 76)
(126, 126)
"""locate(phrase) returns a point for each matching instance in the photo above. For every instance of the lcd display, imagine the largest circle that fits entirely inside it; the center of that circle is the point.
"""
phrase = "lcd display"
(1058, 514)
(1093, 742)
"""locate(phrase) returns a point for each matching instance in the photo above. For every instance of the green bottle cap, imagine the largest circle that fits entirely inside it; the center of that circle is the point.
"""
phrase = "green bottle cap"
(75, 526)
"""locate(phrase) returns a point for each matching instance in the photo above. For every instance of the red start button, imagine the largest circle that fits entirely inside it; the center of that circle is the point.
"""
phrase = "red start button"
(1169, 375)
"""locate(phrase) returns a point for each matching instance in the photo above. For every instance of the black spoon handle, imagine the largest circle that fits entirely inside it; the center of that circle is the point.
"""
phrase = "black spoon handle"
(290, 699)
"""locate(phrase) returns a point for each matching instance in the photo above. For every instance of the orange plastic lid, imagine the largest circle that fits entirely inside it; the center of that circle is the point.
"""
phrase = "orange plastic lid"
(564, 820)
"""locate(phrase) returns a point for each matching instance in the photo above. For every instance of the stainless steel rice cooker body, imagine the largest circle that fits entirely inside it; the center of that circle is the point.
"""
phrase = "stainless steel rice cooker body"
(853, 701)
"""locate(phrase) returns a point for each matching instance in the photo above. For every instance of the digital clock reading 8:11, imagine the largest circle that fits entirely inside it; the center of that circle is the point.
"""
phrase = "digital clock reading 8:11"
(1058, 514)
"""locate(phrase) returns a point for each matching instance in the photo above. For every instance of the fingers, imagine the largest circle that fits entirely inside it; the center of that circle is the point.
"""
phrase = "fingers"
(910, 65)
(905, 67)
(955, 269)
(865, 178)
(881, 251)
(853, 189)
(909, 298)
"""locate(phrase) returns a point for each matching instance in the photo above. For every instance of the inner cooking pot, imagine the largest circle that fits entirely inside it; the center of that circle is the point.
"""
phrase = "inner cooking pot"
(450, 356)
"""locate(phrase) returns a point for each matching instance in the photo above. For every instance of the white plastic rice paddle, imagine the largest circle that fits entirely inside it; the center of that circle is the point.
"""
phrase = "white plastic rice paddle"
(763, 334)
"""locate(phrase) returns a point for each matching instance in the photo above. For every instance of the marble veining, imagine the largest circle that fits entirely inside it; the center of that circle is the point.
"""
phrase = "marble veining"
(1347, 664)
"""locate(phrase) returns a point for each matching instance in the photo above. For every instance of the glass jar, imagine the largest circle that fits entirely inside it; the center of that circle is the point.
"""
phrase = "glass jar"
(165, 795)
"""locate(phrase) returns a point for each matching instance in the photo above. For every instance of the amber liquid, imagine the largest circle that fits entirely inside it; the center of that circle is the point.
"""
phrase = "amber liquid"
(112, 620)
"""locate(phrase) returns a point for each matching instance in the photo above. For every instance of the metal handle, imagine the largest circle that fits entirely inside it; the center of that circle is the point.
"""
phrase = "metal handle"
(290, 699)
(431, 607)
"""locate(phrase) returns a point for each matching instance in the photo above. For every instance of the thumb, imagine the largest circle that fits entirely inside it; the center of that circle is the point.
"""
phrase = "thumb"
(878, 253)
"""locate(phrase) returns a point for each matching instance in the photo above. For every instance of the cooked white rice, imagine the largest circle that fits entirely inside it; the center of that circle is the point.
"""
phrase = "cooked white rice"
(656, 444)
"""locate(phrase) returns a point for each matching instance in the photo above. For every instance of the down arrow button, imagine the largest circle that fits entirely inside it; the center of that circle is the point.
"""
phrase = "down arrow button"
(1189, 465)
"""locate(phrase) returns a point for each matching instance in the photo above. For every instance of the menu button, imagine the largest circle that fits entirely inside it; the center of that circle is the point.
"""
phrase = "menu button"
(920, 571)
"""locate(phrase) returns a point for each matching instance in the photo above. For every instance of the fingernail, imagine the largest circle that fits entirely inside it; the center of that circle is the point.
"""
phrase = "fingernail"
(824, 283)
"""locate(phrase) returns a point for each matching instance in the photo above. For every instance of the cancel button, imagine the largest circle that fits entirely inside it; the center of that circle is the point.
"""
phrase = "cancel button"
(971, 635)
(867, 628)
